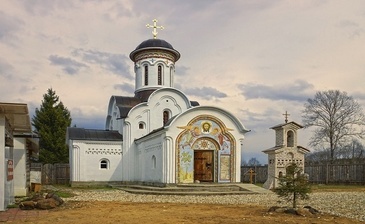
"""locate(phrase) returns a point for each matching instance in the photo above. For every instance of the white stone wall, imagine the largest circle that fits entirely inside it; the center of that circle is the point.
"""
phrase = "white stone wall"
(168, 69)
(20, 169)
(279, 160)
(85, 158)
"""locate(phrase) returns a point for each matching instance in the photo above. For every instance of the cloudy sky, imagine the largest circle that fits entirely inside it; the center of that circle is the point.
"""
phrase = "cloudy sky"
(256, 58)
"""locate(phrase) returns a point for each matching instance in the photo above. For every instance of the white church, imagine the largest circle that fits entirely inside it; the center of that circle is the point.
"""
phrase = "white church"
(158, 136)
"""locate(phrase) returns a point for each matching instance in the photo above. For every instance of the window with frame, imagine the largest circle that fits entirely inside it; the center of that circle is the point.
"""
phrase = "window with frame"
(166, 116)
(104, 164)
(145, 75)
(159, 75)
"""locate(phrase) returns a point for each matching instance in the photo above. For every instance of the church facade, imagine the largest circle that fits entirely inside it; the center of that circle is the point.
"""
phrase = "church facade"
(164, 138)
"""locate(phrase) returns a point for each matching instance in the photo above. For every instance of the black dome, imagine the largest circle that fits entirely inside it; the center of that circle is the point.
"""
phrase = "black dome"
(151, 44)
(154, 43)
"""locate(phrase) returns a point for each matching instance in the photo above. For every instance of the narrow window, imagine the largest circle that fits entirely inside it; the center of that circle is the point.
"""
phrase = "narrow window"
(166, 116)
(290, 139)
(104, 164)
(159, 77)
(153, 162)
(145, 75)
(280, 174)
(171, 77)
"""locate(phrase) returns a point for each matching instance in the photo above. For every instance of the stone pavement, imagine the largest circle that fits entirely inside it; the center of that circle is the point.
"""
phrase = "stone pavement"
(14, 214)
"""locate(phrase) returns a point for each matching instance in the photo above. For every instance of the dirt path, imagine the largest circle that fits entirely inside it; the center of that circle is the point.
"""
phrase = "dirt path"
(145, 213)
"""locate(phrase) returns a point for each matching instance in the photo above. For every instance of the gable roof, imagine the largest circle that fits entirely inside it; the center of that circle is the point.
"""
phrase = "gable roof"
(298, 126)
(93, 135)
(275, 148)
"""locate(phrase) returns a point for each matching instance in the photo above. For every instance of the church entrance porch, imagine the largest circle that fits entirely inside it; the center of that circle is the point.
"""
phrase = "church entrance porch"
(205, 152)
(203, 166)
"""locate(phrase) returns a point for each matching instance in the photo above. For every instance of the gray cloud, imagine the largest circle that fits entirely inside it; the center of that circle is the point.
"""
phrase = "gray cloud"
(181, 70)
(352, 28)
(80, 119)
(6, 69)
(358, 96)
(205, 92)
(260, 121)
(8, 26)
(125, 87)
(116, 63)
(347, 23)
(43, 8)
(297, 91)
(68, 65)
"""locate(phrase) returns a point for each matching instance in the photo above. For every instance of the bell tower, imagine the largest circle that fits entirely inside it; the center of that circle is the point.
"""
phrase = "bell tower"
(285, 152)
(154, 64)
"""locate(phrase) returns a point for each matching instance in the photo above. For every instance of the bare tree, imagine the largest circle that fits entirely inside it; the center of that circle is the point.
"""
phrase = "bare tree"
(354, 150)
(253, 162)
(338, 119)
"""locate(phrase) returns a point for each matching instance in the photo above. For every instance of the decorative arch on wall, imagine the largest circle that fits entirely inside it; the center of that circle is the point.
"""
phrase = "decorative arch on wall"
(198, 130)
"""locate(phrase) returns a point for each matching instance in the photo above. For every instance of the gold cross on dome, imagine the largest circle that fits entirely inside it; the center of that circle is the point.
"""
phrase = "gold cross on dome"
(286, 116)
(155, 27)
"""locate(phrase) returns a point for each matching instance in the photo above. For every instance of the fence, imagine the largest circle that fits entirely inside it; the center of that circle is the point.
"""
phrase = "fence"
(58, 173)
(345, 173)
(259, 174)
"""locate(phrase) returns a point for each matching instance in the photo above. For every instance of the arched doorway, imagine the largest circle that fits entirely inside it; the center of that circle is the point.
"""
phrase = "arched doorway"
(204, 160)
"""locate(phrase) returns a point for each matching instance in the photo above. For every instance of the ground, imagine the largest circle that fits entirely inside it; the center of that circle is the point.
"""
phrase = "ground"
(105, 212)
(143, 213)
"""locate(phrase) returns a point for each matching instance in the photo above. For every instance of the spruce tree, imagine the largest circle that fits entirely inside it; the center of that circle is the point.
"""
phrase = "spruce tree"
(293, 185)
(50, 122)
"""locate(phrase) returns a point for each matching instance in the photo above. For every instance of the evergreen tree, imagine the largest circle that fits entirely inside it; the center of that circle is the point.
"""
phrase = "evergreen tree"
(293, 185)
(50, 123)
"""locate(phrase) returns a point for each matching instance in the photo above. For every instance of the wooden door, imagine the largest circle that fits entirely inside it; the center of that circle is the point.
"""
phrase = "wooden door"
(203, 165)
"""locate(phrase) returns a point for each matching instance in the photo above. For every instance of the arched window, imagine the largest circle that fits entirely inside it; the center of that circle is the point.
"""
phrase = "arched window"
(104, 164)
(280, 174)
(145, 75)
(153, 162)
(290, 139)
(159, 75)
(166, 116)
(141, 125)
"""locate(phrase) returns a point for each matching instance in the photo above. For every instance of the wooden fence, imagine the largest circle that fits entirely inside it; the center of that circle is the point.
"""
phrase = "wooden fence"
(259, 174)
(58, 173)
(346, 173)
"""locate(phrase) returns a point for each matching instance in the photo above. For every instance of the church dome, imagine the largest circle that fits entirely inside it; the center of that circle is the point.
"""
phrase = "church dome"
(154, 44)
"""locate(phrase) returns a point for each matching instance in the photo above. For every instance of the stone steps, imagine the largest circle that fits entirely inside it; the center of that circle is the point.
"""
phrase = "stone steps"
(194, 189)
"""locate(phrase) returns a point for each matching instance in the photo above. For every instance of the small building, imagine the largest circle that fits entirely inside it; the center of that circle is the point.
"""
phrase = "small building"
(285, 152)
(17, 145)
(95, 156)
